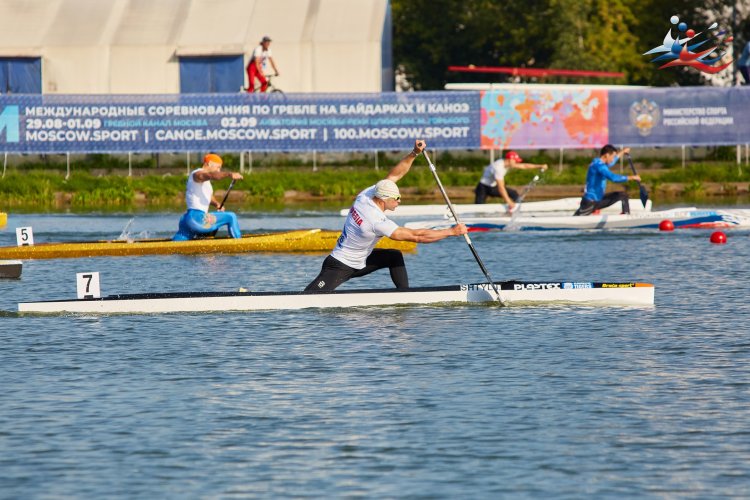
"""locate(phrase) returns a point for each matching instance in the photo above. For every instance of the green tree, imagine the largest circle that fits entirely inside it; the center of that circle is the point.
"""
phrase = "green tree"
(429, 36)
(596, 35)
(601, 35)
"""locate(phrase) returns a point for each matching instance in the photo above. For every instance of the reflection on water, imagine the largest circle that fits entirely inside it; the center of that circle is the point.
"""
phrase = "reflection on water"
(438, 401)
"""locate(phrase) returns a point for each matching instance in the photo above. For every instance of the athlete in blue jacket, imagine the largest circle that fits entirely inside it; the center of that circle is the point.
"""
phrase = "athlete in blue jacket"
(596, 183)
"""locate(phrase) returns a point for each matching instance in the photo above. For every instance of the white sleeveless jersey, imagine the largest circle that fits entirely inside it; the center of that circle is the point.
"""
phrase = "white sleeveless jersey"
(198, 194)
(364, 227)
(492, 172)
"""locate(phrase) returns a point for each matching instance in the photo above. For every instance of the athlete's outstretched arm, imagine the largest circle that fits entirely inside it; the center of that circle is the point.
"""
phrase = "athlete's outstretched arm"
(427, 235)
(404, 165)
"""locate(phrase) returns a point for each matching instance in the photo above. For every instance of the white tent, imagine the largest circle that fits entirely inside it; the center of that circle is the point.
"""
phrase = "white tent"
(135, 46)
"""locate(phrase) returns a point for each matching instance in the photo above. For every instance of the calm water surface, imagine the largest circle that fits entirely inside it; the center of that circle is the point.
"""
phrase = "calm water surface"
(426, 402)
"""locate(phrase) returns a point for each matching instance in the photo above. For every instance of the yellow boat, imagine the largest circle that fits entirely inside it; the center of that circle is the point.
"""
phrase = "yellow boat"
(306, 240)
(3, 219)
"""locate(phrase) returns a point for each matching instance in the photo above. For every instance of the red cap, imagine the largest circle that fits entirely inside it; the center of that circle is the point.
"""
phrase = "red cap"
(512, 155)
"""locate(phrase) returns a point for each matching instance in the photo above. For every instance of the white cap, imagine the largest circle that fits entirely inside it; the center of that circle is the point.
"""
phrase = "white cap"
(386, 189)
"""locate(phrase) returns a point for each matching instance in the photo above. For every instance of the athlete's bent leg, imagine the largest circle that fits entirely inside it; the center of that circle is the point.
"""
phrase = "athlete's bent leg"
(610, 199)
(183, 230)
(228, 219)
(586, 207)
(392, 259)
(202, 223)
(332, 274)
(480, 194)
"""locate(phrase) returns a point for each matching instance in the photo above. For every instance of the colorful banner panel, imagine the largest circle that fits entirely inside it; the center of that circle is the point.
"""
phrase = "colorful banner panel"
(554, 118)
(683, 115)
(237, 122)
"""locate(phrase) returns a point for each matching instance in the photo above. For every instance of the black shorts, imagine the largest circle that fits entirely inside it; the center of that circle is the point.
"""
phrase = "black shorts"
(333, 272)
(588, 206)
(482, 191)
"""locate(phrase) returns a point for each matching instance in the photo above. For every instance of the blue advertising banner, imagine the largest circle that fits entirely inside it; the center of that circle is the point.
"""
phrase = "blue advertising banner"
(674, 116)
(237, 122)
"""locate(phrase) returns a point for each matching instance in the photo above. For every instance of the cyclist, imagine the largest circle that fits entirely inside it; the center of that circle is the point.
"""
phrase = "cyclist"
(257, 65)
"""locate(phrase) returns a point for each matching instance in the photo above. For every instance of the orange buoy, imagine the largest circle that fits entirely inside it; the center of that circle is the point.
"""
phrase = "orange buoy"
(666, 225)
(718, 237)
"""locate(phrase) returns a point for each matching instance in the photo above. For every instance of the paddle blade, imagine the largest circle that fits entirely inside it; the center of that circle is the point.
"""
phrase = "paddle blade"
(644, 195)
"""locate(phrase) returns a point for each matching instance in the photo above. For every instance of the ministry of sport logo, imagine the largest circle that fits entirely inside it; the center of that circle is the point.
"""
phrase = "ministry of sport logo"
(9, 123)
(644, 115)
(687, 48)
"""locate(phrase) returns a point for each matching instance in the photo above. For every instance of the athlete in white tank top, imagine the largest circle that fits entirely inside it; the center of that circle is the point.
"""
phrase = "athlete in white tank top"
(198, 195)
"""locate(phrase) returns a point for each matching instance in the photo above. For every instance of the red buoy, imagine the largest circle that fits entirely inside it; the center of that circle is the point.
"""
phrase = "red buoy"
(718, 237)
(666, 225)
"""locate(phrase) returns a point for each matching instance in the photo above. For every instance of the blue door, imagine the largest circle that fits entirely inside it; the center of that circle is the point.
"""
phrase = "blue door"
(20, 75)
(211, 74)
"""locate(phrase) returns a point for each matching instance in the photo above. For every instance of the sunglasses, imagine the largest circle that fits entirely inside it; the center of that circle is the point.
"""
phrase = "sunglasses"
(397, 198)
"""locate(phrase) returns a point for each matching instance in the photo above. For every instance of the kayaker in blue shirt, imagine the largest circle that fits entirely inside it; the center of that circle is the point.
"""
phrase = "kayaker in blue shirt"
(596, 183)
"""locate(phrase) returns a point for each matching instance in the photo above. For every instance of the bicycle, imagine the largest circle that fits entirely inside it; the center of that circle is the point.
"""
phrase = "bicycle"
(271, 89)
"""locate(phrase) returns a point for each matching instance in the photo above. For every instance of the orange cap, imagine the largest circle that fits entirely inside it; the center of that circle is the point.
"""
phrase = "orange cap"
(212, 158)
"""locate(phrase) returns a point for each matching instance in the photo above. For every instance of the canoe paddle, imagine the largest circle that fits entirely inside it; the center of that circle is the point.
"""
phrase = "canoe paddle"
(466, 236)
(226, 195)
(641, 187)
(517, 211)
(525, 191)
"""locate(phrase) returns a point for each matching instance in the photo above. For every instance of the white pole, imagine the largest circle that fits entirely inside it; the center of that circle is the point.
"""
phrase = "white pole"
(242, 162)
(315, 161)
(130, 164)
(739, 159)
(492, 155)
(187, 163)
(683, 156)
(250, 161)
(67, 161)
(559, 167)
(377, 167)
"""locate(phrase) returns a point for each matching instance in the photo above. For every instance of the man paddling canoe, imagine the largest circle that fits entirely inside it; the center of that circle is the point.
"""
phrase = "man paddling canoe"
(596, 183)
(199, 196)
(492, 182)
(355, 254)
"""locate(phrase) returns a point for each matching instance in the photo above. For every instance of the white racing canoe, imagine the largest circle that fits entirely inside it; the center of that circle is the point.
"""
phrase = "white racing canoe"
(563, 206)
(682, 218)
(511, 292)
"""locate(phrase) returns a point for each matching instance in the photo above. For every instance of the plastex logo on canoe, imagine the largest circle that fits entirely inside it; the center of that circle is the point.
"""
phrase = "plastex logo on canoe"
(536, 286)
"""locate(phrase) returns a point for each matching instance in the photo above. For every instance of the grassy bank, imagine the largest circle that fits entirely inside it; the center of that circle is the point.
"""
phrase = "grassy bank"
(105, 184)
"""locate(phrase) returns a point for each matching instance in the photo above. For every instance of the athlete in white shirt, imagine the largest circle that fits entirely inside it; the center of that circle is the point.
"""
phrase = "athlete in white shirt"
(199, 196)
(355, 254)
(492, 182)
